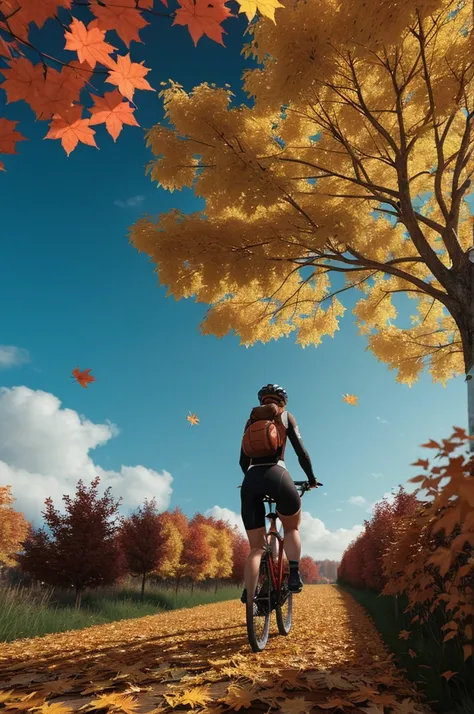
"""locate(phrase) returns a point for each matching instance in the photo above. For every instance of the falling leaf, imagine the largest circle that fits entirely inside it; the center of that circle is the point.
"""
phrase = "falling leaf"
(412, 653)
(84, 377)
(114, 111)
(265, 7)
(203, 17)
(128, 76)
(193, 419)
(404, 635)
(350, 399)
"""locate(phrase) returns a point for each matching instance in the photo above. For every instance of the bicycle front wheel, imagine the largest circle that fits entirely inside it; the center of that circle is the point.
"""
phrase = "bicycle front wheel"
(284, 608)
(258, 610)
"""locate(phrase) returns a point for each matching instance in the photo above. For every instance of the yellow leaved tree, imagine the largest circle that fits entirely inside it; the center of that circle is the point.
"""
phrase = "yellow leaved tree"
(173, 533)
(14, 529)
(354, 162)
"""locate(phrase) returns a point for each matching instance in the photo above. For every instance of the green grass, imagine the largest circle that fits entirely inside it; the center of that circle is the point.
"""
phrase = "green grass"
(455, 696)
(31, 612)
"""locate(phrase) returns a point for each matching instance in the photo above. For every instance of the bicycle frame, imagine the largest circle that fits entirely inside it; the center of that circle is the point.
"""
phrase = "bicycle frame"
(273, 547)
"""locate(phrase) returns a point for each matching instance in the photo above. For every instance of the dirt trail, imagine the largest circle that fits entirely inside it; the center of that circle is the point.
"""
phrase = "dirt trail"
(333, 660)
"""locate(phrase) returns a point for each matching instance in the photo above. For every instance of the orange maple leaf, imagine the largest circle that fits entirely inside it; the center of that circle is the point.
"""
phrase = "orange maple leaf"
(193, 419)
(404, 635)
(89, 44)
(412, 653)
(125, 19)
(84, 378)
(71, 129)
(128, 76)
(448, 674)
(6, 48)
(59, 90)
(22, 78)
(35, 11)
(350, 399)
(8, 138)
(203, 17)
(114, 111)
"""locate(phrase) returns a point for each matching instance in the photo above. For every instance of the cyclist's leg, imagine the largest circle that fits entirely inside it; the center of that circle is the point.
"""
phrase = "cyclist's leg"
(253, 516)
(288, 507)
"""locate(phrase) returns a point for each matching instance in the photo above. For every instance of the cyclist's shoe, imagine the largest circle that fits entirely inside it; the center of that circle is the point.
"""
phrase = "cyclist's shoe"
(295, 584)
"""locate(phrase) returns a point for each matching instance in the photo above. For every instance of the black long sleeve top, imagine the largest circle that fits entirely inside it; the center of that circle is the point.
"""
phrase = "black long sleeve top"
(294, 436)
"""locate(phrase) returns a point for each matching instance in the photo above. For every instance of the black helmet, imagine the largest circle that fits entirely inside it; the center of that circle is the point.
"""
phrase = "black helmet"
(273, 390)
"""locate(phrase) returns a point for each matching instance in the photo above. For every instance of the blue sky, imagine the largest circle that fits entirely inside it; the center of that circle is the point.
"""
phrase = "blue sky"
(75, 292)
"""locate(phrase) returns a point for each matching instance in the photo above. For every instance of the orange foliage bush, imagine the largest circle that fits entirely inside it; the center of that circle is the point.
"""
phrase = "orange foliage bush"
(362, 562)
(431, 559)
(424, 548)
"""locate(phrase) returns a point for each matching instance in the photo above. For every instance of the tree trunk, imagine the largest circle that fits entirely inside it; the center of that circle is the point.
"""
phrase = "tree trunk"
(143, 587)
(192, 586)
(176, 588)
(215, 587)
(464, 318)
(78, 598)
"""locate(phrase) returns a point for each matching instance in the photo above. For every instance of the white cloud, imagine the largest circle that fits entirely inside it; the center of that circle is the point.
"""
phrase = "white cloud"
(44, 451)
(131, 202)
(317, 541)
(11, 355)
(357, 500)
(389, 496)
(381, 420)
(338, 509)
(377, 475)
(225, 514)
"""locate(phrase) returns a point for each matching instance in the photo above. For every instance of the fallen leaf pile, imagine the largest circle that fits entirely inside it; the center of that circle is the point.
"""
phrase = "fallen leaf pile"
(199, 659)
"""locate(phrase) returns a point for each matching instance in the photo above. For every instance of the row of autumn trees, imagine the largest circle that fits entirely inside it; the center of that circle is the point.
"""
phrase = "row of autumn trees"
(423, 548)
(91, 546)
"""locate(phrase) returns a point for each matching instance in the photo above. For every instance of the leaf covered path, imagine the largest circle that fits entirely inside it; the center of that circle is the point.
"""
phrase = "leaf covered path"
(199, 659)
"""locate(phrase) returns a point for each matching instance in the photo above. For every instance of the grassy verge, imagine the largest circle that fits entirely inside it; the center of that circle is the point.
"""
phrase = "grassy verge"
(29, 612)
(429, 656)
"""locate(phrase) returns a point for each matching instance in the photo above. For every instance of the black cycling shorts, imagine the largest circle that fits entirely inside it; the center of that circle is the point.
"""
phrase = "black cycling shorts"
(261, 481)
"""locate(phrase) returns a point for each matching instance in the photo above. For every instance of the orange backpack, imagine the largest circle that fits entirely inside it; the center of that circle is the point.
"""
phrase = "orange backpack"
(265, 432)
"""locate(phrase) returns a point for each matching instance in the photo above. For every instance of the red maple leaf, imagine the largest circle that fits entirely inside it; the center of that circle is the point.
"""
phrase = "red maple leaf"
(114, 111)
(8, 138)
(128, 76)
(71, 129)
(84, 378)
(203, 17)
(89, 43)
(125, 19)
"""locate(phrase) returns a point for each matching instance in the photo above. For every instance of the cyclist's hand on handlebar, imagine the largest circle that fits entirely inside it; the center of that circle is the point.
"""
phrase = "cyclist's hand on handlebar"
(314, 484)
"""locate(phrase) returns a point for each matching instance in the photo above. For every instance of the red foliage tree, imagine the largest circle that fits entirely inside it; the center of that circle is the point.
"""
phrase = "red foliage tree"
(141, 540)
(362, 562)
(83, 550)
(309, 570)
(240, 552)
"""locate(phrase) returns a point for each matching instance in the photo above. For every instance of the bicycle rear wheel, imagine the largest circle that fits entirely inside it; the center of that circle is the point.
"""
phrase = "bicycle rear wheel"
(284, 608)
(258, 610)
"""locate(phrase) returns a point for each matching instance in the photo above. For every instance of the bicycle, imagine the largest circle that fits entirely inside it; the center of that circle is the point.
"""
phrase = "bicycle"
(271, 592)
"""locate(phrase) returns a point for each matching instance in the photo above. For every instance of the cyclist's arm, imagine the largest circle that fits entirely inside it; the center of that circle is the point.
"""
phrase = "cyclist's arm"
(244, 459)
(303, 456)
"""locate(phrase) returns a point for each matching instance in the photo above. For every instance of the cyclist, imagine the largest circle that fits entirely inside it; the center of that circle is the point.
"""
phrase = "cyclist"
(268, 476)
